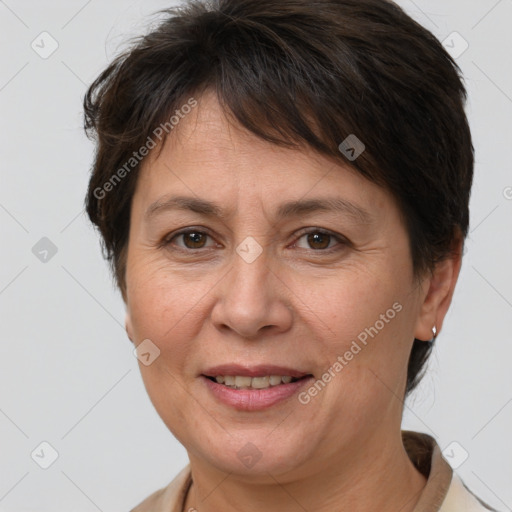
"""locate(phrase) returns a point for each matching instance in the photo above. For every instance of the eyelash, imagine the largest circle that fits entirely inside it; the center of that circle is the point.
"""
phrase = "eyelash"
(342, 241)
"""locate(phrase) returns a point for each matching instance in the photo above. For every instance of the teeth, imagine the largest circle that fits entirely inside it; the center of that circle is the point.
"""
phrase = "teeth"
(244, 382)
(229, 380)
(274, 380)
(260, 382)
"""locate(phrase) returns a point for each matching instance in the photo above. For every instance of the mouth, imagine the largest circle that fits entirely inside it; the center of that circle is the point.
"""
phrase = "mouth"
(263, 376)
(254, 388)
(258, 382)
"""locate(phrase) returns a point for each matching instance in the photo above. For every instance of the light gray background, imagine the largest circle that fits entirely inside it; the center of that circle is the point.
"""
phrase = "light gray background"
(67, 372)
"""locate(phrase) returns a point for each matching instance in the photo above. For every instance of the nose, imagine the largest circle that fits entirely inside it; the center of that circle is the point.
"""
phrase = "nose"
(252, 300)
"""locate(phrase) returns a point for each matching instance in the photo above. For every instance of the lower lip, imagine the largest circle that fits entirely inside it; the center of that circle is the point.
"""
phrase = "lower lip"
(255, 399)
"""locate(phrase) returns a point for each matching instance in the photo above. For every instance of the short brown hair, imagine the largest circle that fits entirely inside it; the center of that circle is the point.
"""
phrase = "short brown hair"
(297, 72)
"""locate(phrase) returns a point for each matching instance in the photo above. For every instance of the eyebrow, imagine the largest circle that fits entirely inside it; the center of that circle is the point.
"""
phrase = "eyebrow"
(285, 210)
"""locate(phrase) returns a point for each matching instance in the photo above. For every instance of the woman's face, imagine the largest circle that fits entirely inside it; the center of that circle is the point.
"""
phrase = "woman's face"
(265, 286)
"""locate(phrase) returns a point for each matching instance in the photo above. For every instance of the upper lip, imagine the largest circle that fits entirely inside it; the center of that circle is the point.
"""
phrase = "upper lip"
(253, 371)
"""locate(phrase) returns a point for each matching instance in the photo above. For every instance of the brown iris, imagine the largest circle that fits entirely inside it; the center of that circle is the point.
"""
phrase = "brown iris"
(319, 238)
(197, 239)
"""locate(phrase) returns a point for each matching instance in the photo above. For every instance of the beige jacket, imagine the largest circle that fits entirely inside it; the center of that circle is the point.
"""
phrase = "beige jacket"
(444, 492)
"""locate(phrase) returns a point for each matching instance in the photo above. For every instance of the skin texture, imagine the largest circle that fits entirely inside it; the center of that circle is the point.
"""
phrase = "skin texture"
(300, 304)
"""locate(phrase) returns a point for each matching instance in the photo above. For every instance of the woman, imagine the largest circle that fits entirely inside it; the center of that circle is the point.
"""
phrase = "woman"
(282, 190)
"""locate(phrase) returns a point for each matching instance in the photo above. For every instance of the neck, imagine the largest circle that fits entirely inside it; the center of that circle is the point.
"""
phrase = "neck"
(382, 477)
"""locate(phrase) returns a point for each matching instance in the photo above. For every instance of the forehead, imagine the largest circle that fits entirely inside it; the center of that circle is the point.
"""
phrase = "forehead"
(209, 155)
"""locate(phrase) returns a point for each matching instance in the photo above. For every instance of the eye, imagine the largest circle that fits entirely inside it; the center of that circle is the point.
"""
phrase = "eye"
(316, 240)
(191, 238)
(320, 240)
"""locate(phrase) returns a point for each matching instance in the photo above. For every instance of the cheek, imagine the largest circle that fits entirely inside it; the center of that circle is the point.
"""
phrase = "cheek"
(162, 309)
(162, 304)
(359, 306)
(368, 320)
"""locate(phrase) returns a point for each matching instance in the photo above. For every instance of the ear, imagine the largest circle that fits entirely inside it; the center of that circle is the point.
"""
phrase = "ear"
(128, 327)
(441, 285)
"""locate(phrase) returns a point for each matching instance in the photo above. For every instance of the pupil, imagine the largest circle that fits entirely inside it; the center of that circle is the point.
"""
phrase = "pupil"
(317, 238)
(195, 238)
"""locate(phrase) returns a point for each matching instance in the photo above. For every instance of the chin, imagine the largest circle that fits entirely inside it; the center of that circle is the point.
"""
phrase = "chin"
(252, 455)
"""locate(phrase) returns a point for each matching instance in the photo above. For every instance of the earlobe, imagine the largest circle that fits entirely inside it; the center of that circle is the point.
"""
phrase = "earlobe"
(441, 286)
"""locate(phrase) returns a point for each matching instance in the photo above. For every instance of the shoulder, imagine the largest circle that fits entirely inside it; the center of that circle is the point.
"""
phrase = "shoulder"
(169, 498)
(152, 502)
(460, 499)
